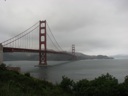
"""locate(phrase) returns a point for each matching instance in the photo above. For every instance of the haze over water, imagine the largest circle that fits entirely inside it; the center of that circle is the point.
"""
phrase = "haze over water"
(75, 70)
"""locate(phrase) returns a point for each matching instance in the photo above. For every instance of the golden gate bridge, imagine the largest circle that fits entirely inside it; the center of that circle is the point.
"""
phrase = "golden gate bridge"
(31, 41)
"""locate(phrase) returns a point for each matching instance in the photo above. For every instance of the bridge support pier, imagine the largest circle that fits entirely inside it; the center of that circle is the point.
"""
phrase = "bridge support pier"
(42, 43)
(1, 53)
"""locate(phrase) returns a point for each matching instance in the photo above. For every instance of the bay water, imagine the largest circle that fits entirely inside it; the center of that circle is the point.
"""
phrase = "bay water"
(75, 70)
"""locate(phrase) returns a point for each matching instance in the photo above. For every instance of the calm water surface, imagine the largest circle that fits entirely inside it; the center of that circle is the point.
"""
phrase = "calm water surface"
(75, 70)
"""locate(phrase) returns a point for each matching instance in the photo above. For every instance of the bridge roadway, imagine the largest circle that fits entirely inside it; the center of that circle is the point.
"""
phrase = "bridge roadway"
(10, 49)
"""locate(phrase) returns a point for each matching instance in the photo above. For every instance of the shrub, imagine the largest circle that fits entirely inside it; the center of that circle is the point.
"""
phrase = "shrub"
(66, 84)
(126, 80)
(81, 88)
(123, 87)
(2, 66)
(27, 74)
(105, 85)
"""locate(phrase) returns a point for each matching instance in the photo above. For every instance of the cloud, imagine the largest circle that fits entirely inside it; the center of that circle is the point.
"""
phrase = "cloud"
(94, 26)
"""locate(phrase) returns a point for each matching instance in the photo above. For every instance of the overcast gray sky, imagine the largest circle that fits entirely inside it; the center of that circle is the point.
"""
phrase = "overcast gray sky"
(94, 26)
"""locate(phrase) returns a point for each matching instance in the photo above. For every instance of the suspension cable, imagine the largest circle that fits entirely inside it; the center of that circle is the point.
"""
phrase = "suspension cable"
(21, 33)
(21, 36)
(54, 37)
(53, 42)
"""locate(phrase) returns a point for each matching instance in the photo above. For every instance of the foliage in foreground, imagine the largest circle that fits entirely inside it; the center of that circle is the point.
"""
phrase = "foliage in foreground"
(16, 84)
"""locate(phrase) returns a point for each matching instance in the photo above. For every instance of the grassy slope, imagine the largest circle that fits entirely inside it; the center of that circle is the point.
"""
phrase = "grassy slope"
(16, 84)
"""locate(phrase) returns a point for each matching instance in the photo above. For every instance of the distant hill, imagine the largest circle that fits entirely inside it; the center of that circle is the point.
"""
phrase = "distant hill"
(58, 57)
(83, 56)
(121, 56)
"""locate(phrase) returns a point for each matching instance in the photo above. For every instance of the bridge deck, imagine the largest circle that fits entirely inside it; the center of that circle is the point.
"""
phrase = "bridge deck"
(9, 49)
